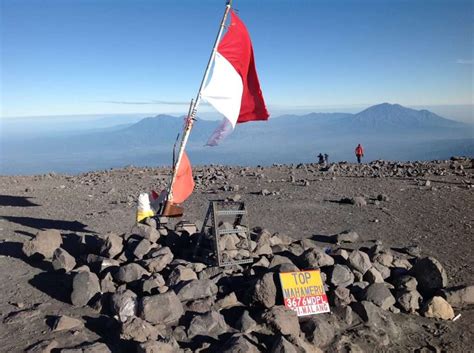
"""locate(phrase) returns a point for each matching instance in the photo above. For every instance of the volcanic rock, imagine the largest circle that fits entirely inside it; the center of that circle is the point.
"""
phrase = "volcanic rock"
(44, 243)
(245, 323)
(161, 308)
(139, 330)
(347, 236)
(341, 275)
(196, 289)
(316, 258)
(130, 273)
(359, 261)
(112, 245)
(62, 260)
(211, 324)
(265, 291)
(66, 323)
(283, 321)
(156, 347)
(430, 275)
(159, 259)
(239, 344)
(409, 300)
(123, 303)
(459, 297)
(318, 330)
(380, 295)
(85, 285)
(439, 308)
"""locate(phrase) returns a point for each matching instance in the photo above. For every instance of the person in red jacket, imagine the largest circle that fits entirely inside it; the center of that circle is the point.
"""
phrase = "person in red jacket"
(359, 151)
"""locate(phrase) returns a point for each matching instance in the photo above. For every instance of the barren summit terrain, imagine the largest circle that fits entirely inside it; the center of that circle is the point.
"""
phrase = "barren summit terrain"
(426, 205)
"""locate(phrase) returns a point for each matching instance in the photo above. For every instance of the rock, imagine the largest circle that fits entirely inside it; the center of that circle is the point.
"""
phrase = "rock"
(229, 301)
(383, 270)
(283, 321)
(359, 201)
(405, 283)
(370, 313)
(181, 274)
(278, 260)
(161, 308)
(380, 295)
(316, 258)
(67, 323)
(44, 243)
(85, 285)
(142, 248)
(430, 275)
(211, 324)
(123, 303)
(439, 308)
(147, 232)
(45, 346)
(409, 300)
(459, 297)
(196, 289)
(359, 261)
(341, 275)
(130, 273)
(265, 291)
(139, 330)
(159, 259)
(347, 236)
(282, 345)
(382, 197)
(318, 330)
(373, 276)
(107, 284)
(112, 245)
(96, 347)
(383, 258)
(62, 260)
(245, 323)
(156, 347)
(341, 297)
(239, 344)
(401, 264)
(153, 284)
(200, 306)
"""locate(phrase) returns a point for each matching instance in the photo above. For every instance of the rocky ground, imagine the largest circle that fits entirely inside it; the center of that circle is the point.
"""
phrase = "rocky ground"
(393, 241)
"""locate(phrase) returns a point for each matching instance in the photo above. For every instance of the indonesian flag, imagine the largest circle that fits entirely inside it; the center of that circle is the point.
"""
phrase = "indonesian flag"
(233, 89)
(184, 183)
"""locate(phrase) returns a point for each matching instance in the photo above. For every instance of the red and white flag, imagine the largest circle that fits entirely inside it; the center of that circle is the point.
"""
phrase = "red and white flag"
(233, 88)
(184, 183)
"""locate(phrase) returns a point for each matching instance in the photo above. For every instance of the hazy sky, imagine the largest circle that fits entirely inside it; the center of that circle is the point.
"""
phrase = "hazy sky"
(80, 56)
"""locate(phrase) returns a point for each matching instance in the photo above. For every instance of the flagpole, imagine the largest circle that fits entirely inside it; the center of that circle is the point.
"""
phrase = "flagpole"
(195, 103)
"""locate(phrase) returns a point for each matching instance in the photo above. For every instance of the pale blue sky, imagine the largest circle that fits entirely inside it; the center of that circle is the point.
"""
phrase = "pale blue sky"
(78, 56)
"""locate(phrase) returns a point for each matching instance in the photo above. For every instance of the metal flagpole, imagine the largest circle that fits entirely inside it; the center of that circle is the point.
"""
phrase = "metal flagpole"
(194, 104)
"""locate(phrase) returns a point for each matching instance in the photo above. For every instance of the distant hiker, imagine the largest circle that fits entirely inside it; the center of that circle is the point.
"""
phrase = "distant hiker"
(359, 151)
(321, 159)
(326, 159)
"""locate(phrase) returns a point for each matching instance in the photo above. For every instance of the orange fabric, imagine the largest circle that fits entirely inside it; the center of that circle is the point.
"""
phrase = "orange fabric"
(359, 151)
(184, 183)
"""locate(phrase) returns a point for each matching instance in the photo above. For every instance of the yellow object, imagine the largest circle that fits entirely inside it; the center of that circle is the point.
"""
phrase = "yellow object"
(141, 215)
(143, 208)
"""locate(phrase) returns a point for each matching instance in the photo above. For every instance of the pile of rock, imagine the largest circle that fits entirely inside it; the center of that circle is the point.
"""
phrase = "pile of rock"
(165, 301)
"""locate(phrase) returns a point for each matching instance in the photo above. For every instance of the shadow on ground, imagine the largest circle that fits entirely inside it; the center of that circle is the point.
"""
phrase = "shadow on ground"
(43, 224)
(16, 201)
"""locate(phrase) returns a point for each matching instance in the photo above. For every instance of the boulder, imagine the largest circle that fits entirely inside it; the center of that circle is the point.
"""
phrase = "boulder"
(341, 275)
(85, 285)
(211, 324)
(156, 347)
(380, 295)
(319, 330)
(283, 321)
(44, 243)
(360, 261)
(347, 236)
(409, 300)
(64, 322)
(430, 275)
(439, 308)
(265, 291)
(161, 308)
(239, 344)
(459, 297)
(139, 330)
(123, 303)
(142, 248)
(316, 258)
(112, 245)
(245, 323)
(282, 345)
(62, 260)
(158, 260)
(147, 232)
(196, 289)
(130, 273)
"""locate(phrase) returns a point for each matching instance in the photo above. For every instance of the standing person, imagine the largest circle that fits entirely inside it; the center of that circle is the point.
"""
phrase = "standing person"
(359, 151)
(326, 159)
(320, 159)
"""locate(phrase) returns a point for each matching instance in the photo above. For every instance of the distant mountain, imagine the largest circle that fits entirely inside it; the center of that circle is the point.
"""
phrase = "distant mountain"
(387, 131)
